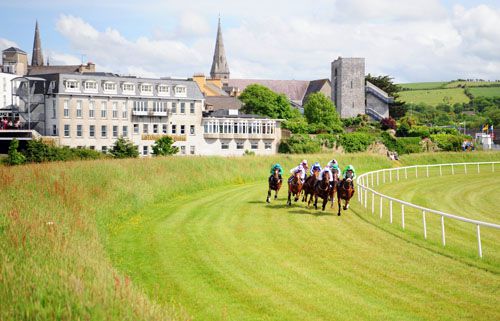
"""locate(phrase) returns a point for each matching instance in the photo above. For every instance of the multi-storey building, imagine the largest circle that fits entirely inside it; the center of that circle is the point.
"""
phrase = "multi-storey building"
(6, 89)
(94, 109)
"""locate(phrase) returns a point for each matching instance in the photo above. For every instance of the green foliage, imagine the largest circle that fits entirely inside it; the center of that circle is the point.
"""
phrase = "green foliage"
(388, 123)
(358, 121)
(355, 142)
(402, 145)
(163, 147)
(299, 144)
(249, 153)
(419, 131)
(123, 148)
(296, 125)
(386, 84)
(327, 140)
(14, 157)
(319, 110)
(260, 100)
(39, 152)
(448, 142)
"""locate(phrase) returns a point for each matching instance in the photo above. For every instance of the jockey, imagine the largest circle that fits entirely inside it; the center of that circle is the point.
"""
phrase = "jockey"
(315, 167)
(349, 170)
(302, 168)
(330, 169)
(280, 170)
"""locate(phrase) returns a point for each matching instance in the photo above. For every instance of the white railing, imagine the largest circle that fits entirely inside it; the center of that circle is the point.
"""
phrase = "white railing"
(367, 181)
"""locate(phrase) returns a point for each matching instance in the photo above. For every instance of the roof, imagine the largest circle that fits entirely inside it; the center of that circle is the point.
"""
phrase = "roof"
(14, 49)
(316, 86)
(39, 70)
(223, 102)
(225, 113)
(293, 89)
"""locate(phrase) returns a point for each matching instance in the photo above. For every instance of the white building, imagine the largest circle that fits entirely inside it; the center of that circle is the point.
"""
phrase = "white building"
(6, 89)
(94, 109)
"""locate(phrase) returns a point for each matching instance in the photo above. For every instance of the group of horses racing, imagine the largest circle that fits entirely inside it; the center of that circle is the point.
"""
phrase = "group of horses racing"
(315, 188)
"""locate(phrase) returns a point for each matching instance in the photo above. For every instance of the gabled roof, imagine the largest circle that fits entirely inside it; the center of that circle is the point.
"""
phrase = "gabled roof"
(316, 86)
(223, 102)
(14, 49)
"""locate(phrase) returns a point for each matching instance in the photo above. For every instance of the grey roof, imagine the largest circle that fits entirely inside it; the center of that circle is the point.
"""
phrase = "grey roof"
(40, 70)
(225, 113)
(316, 86)
(14, 49)
(223, 102)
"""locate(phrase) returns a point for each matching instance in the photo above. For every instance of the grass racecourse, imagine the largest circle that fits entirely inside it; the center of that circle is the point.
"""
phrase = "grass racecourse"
(192, 238)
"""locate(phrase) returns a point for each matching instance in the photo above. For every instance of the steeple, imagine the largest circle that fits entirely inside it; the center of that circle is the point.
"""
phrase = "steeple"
(219, 64)
(37, 57)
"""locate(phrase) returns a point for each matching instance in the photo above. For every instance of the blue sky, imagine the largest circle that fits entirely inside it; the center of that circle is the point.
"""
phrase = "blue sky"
(427, 40)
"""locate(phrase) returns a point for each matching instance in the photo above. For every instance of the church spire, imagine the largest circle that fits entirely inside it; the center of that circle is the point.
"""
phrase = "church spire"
(219, 64)
(37, 57)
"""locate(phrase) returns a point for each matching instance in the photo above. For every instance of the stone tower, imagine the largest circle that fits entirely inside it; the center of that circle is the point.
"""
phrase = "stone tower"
(219, 70)
(348, 86)
(37, 57)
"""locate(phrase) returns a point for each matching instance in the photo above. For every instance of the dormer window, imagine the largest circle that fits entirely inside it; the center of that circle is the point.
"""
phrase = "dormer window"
(90, 85)
(128, 87)
(146, 88)
(180, 90)
(163, 89)
(109, 86)
(72, 84)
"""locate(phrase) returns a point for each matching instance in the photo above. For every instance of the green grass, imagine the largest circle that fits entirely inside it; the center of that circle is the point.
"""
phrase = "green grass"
(179, 237)
(454, 84)
(434, 96)
(485, 91)
(424, 85)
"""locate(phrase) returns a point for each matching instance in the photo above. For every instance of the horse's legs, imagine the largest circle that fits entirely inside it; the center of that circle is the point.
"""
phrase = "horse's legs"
(315, 201)
(338, 201)
(325, 200)
(268, 195)
(275, 194)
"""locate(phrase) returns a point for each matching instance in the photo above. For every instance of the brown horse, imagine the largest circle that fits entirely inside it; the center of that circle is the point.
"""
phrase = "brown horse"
(308, 186)
(322, 189)
(294, 187)
(274, 184)
(345, 190)
(333, 187)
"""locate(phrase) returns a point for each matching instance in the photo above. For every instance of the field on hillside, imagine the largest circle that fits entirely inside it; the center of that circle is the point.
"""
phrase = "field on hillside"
(454, 84)
(485, 91)
(424, 85)
(181, 238)
(434, 97)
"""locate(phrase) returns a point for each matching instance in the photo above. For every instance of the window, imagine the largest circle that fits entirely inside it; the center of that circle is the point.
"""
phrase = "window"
(351, 83)
(141, 105)
(163, 89)
(183, 131)
(254, 145)
(115, 110)
(191, 130)
(174, 129)
(53, 109)
(128, 87)
(183, 150)
(125, 131)
(92, 131)
(146, 88)
(240, 145)
(91, 109)
(191, 108)
(164, 128)
(104, 149)
(79, 131)
(79, 109)
(155, 128)
(159, 107)
(180, 90)
(66, 130)
(115, 131)
(104, 107)
(90, 85)
(66, 109)
(183, 108)
(104, 131)
(109, 86)
(145, 150)
(267, 146)
(92, 147)
(224, 145)
(136, 128)
(191, 150)
(54, 130)
(72, 84)
(124, 111)
(174, 108)
(145, 128)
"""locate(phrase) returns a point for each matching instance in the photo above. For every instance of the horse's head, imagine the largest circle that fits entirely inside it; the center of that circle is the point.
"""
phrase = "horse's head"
(326, 176)
(276, 172)
(316, 173)
(349, 175)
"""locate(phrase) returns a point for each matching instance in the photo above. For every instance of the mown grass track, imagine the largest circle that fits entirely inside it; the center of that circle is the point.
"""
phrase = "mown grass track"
(225, 254)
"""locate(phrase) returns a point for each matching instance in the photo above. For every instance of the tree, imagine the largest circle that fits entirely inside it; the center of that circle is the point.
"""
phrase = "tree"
(388, 123)
(123, 148)
(397, 108)
(14, 157)
(320, 112)
(163, 147)
(260, 100)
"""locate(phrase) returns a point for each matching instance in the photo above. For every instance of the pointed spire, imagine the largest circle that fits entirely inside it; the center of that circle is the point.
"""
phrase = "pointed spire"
(220, 68)
(37, 57)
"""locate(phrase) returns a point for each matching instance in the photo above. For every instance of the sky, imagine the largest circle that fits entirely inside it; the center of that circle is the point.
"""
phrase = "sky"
(409, 40)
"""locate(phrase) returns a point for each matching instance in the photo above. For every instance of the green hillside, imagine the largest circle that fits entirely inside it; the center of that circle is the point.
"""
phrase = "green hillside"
(423, 85)
(485, 91)
(170, 238)
(434, 97)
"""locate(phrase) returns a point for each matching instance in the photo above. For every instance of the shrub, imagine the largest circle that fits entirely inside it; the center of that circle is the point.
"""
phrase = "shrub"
(355, 142)
(419, 131)
(14, 157)
(299, 144)
(37, 152)
(327, 140)
(401, 145)
(448, 142)
(249, 153)
(163, 147)
(388, 123)
(123, 148)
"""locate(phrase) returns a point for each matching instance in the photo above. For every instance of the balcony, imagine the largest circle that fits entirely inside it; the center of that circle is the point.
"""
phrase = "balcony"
(159, 113)
(238, 136)
(139, 112)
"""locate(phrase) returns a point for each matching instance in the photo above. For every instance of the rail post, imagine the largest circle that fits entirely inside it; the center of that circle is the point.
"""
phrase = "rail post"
(478, 168)
(372, 178)
(390, 210)
(377, 179)
(406, 173)
(373, 203)
(465, 168)
(443, 237)
(380, 206)
(390, 176)
(403, 216)
(383, 176)
(493, 167)
(452, 169)
(440, 170)
(425, 225)
(479, 242)
(427, 168)
(416, 172)
(397, 174)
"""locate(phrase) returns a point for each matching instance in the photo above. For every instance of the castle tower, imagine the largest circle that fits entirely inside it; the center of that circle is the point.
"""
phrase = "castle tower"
(219, 68)
(37, 57)
(348, 86)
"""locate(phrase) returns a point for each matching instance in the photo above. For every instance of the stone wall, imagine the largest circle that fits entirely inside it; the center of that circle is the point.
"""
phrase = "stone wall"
(348, 86)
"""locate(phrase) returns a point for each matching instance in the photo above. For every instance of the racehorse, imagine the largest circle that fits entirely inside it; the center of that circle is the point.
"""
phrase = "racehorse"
(345, 190)
(322, 189)
(333, 188)
(308, 187)
(294, 187)
(274, 184)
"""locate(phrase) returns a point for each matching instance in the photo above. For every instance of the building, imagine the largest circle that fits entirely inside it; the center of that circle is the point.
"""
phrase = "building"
(6, 89)
(220, 68)
(352, 95)
(94, 109)
(14, 61)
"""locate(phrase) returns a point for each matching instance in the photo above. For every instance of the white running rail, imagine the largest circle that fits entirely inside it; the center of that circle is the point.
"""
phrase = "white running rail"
(367, 181)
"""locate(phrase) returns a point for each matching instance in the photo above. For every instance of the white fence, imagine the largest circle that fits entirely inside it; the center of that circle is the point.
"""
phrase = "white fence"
(367, 181)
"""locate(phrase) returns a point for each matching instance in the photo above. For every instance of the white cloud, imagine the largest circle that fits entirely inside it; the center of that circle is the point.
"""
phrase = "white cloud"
(6, 43)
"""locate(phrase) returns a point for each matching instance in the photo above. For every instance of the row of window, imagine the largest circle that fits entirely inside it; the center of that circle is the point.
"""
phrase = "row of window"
(241, 145)
(162, 106)
(238, 127)
(110, 86)
(146, 150)
(156, 129)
